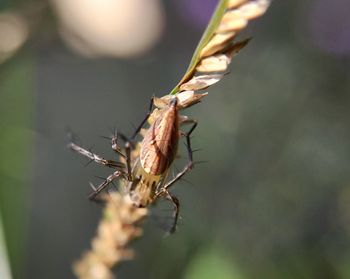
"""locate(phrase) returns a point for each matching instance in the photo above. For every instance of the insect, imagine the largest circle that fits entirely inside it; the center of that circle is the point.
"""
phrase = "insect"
(144, 166)
(145, 175)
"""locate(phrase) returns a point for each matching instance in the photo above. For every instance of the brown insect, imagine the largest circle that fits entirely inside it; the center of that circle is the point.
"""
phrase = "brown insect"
(158, 150)
(146, 175)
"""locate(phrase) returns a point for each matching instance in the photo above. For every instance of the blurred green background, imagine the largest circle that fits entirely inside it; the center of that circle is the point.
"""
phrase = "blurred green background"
(273, 198)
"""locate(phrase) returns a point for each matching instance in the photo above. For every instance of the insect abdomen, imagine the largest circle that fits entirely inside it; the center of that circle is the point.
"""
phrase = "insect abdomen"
(142, 189)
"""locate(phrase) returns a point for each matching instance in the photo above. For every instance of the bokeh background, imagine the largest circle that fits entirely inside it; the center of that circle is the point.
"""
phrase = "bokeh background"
(272, 199)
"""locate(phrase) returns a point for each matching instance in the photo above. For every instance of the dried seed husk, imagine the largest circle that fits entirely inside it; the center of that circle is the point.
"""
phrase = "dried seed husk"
(234, 20)
(217, 43)
(214, 52)
(216, 63)
(201, 82)
(235, 3)
(254, 9)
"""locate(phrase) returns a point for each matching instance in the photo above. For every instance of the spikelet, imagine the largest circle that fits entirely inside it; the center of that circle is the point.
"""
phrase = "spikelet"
(216, 49)
(117, 228)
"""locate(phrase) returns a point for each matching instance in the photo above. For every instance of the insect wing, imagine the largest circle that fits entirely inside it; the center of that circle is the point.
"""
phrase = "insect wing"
(159, 146)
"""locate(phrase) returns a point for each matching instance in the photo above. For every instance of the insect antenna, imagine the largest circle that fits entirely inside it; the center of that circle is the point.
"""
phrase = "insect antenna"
(150, 109)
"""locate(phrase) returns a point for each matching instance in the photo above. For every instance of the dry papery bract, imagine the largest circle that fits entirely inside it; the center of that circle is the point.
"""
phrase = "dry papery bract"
(216, 55)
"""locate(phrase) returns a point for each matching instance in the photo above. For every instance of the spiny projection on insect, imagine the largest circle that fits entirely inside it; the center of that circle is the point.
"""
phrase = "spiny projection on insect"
(144, 165)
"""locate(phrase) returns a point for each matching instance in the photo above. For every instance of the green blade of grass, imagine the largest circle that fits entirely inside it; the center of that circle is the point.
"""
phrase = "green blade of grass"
(16, 138)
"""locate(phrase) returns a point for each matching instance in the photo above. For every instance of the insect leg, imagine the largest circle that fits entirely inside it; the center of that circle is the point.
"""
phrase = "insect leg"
(189, 165)
(127, 154)
(103, 185)
(129, 141)
(94, 157)
(128, 159)
(115, 146)
(188, 140)
(174, 200)
(144, 120)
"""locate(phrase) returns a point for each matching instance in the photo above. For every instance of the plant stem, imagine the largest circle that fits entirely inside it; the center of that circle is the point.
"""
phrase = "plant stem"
(118, 227)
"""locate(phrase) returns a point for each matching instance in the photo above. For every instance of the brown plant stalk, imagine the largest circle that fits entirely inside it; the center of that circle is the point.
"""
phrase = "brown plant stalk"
(118, 226)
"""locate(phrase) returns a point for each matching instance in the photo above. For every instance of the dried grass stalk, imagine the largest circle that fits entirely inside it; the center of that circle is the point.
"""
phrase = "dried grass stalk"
(109, 247)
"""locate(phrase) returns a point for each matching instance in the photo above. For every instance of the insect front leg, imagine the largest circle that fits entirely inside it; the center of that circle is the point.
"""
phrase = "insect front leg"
(144, 120)
(129, 141)
(189, 165)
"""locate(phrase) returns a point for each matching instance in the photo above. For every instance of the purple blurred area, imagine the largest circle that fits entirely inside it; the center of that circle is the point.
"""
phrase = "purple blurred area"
(195, 12)
(329, 25)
